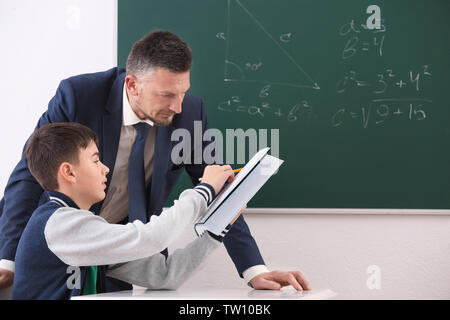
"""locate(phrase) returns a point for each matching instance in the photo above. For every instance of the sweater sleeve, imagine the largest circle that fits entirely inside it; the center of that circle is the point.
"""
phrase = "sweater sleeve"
(80, 238)
(157, 272)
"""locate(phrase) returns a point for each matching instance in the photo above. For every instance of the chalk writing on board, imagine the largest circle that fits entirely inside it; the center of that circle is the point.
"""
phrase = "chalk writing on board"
(286, 37)
(238, 71)
(302, 110)
(381, 110)
(265, 91)
(383, 91)
(238, 68)
(221, 35)
(385, 80)
(253, 66)
(361, 39)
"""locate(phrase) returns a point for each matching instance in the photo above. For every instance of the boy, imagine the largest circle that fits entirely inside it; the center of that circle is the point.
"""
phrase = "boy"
(66, 250)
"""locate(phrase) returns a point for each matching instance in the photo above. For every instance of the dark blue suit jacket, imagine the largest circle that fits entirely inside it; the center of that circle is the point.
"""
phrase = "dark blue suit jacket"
(95, 100)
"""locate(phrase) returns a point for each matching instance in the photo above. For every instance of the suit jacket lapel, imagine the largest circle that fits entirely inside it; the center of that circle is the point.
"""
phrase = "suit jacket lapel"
(112, 124)
(110, 135)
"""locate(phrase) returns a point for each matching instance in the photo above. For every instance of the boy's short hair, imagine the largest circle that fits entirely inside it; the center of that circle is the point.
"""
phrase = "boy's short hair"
(53, 144)
(159, 49)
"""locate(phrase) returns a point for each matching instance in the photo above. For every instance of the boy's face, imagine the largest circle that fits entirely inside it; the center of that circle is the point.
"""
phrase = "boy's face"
(91, 175)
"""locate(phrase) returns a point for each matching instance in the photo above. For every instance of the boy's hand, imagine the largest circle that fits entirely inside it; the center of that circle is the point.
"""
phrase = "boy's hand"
(217, 175)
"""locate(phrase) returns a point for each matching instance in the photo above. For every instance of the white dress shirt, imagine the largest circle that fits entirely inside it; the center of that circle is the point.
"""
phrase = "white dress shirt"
(115, 206)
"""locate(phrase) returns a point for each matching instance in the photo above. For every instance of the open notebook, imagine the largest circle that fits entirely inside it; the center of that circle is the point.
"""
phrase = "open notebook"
(238, 193)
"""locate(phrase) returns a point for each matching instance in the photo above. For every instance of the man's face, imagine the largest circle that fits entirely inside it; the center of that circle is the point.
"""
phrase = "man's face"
(158, 95)
(91, 174)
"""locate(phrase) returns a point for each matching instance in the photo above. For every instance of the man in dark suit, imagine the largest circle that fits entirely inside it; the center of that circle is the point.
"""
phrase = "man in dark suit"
(152, 91)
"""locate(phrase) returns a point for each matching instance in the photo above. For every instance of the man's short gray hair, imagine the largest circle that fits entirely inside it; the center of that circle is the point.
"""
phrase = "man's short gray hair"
(159, 49)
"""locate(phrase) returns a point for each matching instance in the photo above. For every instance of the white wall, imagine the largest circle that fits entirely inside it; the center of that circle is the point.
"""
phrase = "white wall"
(334, 251)
(45, 41)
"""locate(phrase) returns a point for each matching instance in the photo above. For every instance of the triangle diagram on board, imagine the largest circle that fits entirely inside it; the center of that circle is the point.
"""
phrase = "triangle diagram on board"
(253, 54)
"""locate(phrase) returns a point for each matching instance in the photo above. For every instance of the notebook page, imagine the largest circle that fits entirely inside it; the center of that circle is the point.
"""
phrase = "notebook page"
(217, 222)
(242, 174)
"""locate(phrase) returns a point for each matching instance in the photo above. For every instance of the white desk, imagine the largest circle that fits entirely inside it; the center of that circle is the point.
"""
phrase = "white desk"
(5, 294)
(287, 293)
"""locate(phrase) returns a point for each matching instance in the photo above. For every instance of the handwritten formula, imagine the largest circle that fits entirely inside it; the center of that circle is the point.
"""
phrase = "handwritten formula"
(390, 93)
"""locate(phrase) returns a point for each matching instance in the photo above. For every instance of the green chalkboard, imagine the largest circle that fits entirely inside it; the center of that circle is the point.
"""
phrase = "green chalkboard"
(363, 113)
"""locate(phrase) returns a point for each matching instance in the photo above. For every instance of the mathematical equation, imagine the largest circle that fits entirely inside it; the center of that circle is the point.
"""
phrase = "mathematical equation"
(377, 112)
(385, 80)
(381, 110)
(361, 39)
(383, 92)
(299, 111)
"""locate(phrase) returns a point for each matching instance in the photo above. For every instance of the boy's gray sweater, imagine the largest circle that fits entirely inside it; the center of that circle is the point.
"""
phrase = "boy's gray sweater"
(132, 251)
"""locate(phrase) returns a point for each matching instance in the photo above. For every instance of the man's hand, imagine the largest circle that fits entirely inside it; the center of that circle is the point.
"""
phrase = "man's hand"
(237, 216)
(275, 280)
(6, 278)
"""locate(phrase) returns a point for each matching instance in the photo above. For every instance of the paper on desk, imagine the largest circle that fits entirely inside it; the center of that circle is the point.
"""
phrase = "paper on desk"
(6, 293)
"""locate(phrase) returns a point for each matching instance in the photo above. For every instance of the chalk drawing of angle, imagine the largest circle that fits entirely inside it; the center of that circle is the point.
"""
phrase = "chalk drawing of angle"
(254, 55)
